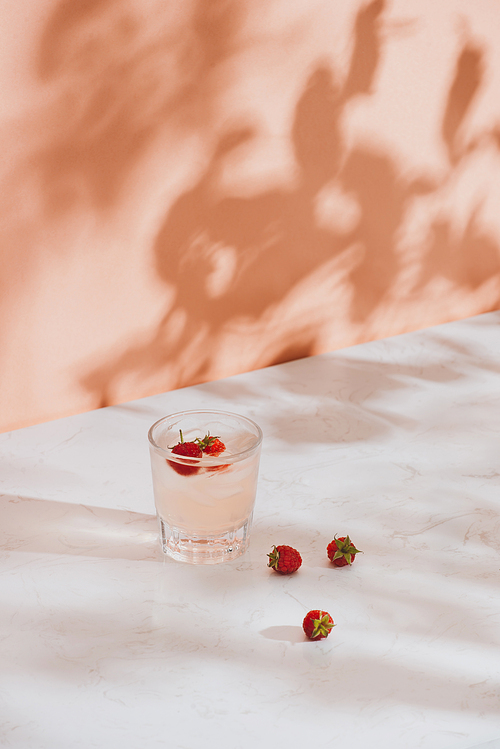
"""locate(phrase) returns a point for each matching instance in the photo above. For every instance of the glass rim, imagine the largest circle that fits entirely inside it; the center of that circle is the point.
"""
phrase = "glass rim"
(210, 460)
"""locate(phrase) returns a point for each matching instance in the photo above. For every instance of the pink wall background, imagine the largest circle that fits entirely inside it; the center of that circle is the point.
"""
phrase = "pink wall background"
(191, 190)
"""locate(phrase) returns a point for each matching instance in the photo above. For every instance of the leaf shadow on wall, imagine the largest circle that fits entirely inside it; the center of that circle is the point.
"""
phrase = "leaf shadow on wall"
(274, 237)
(111, 81)
(233, 259)
(122, 85)
(469, 259)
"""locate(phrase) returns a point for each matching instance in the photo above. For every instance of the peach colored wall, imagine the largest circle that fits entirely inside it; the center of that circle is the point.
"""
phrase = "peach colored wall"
(194, 189)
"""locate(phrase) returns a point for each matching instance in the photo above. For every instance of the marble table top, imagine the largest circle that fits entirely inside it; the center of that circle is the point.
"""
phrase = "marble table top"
(105, 643)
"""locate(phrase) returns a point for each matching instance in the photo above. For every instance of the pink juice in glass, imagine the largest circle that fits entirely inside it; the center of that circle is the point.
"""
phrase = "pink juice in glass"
(205, 505)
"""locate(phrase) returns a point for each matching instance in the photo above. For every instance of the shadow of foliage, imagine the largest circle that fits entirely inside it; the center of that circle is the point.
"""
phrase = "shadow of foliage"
(231, 259)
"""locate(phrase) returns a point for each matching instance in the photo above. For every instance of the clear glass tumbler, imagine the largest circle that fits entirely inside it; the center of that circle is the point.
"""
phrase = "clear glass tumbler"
(205, 505)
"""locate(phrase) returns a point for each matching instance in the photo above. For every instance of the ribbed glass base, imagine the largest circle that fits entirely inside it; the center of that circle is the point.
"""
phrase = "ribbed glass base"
(179, 545)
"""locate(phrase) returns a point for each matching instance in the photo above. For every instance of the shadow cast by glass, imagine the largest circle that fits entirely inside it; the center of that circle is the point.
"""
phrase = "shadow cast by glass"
(48, 527)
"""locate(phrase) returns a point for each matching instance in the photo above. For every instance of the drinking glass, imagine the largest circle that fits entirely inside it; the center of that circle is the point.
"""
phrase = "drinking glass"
(205, 505)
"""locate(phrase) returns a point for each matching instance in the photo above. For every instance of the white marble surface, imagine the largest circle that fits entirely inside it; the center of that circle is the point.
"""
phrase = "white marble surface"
(396, 442)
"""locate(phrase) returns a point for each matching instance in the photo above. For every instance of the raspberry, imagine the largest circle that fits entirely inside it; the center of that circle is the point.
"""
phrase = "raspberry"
(341, 551)
(189, 450)
(284, 559)
(211, 445)
(317, 624)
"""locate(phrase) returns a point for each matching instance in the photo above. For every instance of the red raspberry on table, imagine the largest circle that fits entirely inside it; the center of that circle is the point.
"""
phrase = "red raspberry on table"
(188, 450)
(341, 551)
(284, 559)
(317, 624)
